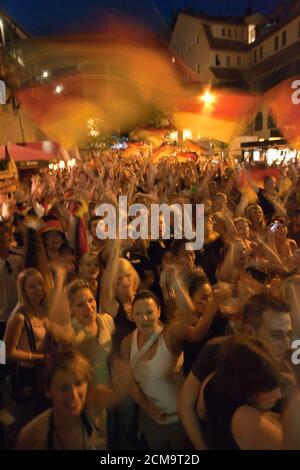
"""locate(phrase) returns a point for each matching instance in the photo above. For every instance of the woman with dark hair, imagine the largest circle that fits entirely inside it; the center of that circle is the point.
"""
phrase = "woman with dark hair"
(201, 295)
(236, 399)
(154, 352)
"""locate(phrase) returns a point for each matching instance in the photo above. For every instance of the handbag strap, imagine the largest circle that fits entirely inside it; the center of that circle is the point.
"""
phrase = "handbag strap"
(30, 334)
(137, 358)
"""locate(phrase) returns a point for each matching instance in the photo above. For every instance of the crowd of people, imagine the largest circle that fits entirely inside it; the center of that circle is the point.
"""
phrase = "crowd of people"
(145, 343)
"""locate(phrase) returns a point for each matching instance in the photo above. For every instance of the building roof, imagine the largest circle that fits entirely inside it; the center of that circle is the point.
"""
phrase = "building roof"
(237, 20)
(13, 23)
(223, 44)
(282, 15)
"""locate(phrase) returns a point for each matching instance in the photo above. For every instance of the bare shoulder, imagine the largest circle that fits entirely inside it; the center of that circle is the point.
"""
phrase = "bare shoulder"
(33, 435)
(252, 429)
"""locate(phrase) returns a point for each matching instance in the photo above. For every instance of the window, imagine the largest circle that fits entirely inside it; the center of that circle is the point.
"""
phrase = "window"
(299, 29)
(197, 39)
(283, 38)
(198, 68)
(261, 53)
(255, 56)
(229, 32)
(235, 33)
(258, 122)
(228, 60)
(239, 61)
(271, 122)
(276, 43)
(251, 33)
(218, 59)
(223, 32)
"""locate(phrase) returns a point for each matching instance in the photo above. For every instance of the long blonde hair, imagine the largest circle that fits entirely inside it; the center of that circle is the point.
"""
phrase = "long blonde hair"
(23, 301)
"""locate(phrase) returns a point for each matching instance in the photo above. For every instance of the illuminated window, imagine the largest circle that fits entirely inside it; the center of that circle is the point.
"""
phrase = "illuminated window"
(251, 33)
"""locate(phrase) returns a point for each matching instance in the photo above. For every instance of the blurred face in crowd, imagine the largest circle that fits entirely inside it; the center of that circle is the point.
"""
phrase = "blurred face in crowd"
(186, 257)
(35, 289)
(68, 392)
(240, 254)
(208, 227)
(270, 185)
(219, 225)
(89, 267)
(212, 189)
(54, 240)
(207, 207)
(83, 306)
(124, 284)
(202, 299)
(243, 229)
(256, 214)
(219, 202)
(146, 315)
(281, 230)
(276, 329)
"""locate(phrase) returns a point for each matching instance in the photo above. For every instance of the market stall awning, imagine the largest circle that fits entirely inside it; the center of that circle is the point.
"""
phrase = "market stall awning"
(22, 153)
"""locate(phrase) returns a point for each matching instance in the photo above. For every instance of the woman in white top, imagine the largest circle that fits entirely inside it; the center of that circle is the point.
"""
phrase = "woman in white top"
(157, 370)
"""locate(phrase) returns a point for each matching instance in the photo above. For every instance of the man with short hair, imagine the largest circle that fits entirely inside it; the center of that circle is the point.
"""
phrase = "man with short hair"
(264, 316)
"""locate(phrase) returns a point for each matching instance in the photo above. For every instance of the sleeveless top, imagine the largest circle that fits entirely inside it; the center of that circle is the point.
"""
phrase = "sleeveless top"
(159, 378)
(39, 433)
(96, 349)
(124, 327)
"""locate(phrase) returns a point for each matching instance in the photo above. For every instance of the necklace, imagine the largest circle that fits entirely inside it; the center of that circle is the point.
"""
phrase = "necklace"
(61, 442)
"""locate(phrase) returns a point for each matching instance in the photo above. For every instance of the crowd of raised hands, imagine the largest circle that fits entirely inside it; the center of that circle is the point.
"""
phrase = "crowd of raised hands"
(77, 304)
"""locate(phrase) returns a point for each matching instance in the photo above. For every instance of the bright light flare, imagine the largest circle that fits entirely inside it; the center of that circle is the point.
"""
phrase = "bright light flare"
(208, 99)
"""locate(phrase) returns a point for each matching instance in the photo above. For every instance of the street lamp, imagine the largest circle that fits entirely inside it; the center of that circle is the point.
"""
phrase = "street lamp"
(208, 98)
(58, 89)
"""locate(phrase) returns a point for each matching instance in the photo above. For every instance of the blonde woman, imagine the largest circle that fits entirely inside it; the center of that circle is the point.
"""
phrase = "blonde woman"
(92, 332)
(119, 284)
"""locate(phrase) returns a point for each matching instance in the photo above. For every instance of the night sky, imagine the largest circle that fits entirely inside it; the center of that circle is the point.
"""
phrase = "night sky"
(71, 16)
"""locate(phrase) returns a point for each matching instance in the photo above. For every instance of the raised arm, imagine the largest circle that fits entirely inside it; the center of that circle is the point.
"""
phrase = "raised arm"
(109, 280)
